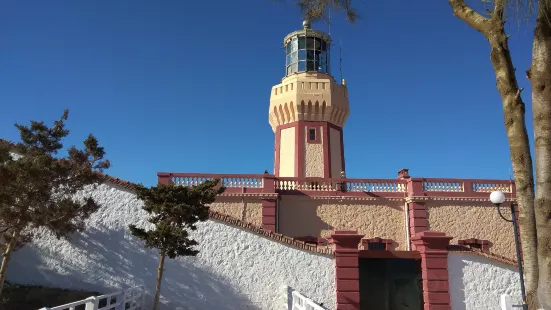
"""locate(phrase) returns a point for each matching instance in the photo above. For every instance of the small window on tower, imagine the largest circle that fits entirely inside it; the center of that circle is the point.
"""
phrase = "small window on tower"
(312, 134)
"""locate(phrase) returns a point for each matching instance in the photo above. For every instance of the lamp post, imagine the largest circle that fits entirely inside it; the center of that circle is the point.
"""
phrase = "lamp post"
(497, 198)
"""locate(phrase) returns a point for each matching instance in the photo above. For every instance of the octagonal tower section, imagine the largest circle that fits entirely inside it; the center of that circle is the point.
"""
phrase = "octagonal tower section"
(308, 110)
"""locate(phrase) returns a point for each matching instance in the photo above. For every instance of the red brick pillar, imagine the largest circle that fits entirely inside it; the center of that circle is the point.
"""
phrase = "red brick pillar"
(345, 243)
(417, 211)
(269, 206)
(434, 264)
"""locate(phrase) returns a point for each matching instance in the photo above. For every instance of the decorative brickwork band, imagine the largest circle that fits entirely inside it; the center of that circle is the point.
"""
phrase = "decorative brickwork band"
(345, 243)
(433, 246)
(269, 206)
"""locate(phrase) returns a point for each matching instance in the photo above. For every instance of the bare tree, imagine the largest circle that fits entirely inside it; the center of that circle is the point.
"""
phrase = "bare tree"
(534, 202)
(493, 29)
(534, 208)
(540, 76)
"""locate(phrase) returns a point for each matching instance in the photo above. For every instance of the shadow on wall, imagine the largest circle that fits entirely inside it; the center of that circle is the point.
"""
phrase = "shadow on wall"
(300, 218)
(118, 260)
(477, 282)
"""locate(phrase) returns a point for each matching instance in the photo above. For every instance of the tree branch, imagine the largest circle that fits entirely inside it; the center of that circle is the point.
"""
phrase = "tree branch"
(499, 10)
(470, 16)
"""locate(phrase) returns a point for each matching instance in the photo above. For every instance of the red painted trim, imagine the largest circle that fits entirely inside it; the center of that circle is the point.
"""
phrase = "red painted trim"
(417, 211)
(342, 150)
(433, 247)
(164, 178)
(269, 213)
(347, 269)
(327, 153)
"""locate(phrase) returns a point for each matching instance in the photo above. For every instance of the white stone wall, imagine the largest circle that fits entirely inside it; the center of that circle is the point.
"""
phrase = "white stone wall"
(477, 283)
(235, 269)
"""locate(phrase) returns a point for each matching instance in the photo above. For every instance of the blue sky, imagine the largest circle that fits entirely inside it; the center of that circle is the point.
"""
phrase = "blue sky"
(184, 86)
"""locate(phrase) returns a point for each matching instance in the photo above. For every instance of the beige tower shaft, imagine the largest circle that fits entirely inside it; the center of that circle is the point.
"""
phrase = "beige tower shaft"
(307, 113)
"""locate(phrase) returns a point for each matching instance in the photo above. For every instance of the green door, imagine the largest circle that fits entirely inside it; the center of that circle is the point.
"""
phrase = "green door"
(390, 284)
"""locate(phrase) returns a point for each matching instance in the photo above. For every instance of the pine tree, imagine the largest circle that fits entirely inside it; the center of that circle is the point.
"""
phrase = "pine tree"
(173, 211)
(37, 187)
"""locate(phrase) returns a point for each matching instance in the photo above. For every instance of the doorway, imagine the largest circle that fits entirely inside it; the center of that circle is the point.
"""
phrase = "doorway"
(390, 284)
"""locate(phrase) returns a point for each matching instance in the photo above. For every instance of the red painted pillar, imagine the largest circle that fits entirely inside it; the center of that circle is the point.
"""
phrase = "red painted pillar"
(164, 178)
(417, 211)
(434, 264)
(269, 206)
(345, 243)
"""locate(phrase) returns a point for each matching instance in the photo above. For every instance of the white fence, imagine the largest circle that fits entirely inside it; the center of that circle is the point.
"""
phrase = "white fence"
(301, 302)
(129, 299)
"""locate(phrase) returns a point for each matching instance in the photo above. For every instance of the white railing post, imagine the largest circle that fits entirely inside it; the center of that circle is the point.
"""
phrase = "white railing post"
(121, 298)
(506, 303)
(142, 306)
(122, 305)
(92, 303)
(284, 298)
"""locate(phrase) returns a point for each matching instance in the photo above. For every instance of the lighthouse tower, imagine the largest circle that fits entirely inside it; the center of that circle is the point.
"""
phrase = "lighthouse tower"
(308, 110)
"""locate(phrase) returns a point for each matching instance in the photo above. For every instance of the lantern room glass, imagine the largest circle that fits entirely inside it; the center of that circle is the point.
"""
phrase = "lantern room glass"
(307, 54)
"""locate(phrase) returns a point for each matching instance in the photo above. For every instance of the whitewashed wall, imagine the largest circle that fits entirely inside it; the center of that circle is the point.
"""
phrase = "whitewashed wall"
(477, 283)
(235, 269)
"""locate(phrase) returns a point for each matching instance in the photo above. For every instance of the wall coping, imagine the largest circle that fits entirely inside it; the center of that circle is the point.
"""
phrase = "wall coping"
(403, 188)
(456, 248)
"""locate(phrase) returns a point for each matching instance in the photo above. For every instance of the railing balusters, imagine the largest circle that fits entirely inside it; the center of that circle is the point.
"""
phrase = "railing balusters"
(120, 297)
(431, 186)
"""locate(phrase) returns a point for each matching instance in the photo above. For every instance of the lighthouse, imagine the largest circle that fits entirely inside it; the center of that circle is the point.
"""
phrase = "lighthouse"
(308, 109)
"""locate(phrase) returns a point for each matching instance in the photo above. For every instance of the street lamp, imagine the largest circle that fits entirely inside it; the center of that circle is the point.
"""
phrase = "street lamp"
(497, 198)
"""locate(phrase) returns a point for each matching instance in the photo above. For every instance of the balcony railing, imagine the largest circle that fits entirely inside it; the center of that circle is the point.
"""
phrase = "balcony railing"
(265, 183)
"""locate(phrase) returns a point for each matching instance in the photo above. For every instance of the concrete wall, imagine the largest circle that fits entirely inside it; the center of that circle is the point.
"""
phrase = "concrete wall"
(477, 283)
(247, 209)
(469, 220)
(305, 216)
(235, 268)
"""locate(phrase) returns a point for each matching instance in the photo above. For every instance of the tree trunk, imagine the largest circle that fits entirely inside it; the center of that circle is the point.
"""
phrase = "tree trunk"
(160, 271)
(514, 116)
(6, 256)
(519, 146)
(540, 76)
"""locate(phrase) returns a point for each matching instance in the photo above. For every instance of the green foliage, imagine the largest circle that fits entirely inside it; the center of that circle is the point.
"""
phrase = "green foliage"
(173, 210)
(37, 188)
